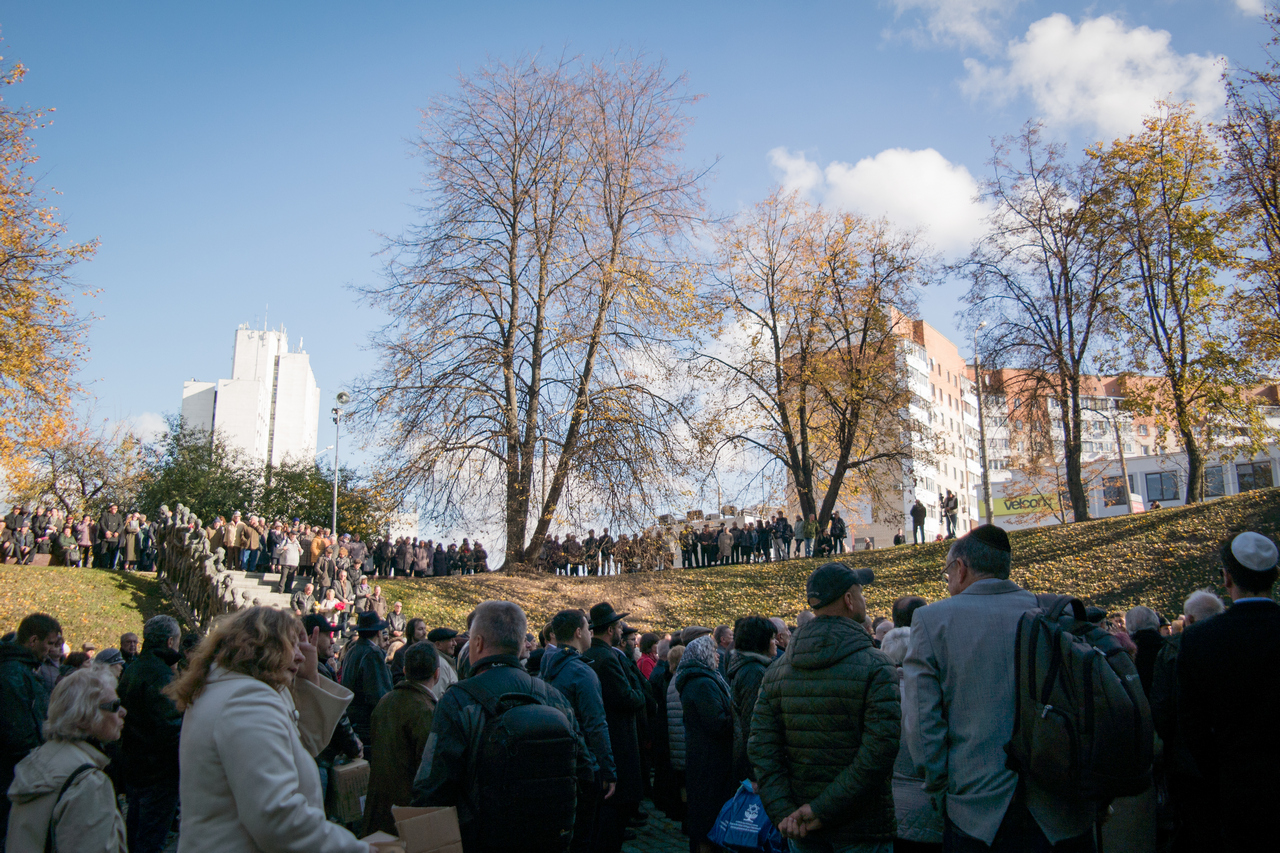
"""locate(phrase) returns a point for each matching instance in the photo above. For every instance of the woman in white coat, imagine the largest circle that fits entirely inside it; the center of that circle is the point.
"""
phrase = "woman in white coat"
(62, 798)
(256, 713)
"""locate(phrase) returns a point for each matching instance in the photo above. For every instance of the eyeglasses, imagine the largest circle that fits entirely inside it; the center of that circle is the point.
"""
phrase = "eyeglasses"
(946, 569)
(111, 707)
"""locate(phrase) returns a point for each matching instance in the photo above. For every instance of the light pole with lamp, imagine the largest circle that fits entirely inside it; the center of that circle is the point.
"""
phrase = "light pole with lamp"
(343, 398)
(982, 426)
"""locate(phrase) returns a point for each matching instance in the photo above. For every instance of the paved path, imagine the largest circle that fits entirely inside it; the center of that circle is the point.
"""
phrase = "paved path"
(659, 835)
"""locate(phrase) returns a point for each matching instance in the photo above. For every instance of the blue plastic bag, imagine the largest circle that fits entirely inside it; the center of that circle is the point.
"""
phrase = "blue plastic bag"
(743, 825)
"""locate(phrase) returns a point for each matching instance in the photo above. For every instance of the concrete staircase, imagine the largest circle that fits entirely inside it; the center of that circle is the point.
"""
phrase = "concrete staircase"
(260, 585)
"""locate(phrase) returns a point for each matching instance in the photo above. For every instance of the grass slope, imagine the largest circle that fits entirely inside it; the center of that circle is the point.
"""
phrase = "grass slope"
(1155, 559)
(93, 605)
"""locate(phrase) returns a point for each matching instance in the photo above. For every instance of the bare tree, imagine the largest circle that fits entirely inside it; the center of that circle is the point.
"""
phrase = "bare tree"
(808, 361)
(533, 308)
(1043, 278)
(81, 468)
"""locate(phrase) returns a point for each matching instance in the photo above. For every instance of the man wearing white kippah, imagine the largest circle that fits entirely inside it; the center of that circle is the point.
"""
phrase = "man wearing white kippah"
(1229, 698)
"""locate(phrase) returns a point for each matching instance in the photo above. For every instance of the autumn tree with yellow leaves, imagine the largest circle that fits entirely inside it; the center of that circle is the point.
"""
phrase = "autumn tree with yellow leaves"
(533, 309)
(1178, 328)
(41, 332)
(807, 364)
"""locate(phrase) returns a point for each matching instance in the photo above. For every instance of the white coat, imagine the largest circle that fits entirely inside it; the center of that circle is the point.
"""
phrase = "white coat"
(249, 780)
(85, 819)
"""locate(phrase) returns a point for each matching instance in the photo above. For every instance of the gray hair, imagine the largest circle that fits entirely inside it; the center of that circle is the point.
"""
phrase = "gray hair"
(981, 558)
(502, 624)
(1141, 618)
(158, 630)
(73, 708)
(1202, 604)
(894, 645)
(804, 618)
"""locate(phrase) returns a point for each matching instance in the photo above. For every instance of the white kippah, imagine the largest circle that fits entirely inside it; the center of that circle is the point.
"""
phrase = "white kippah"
(1255, 552)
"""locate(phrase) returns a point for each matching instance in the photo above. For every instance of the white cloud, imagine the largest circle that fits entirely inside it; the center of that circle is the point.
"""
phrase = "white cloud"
(1252, 7)
(963, 22)
(1098, 73)
(147, 426)
(912, 188)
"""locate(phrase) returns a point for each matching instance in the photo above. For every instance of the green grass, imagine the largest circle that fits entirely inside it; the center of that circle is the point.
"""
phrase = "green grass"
(1155, 559)
(93, 605)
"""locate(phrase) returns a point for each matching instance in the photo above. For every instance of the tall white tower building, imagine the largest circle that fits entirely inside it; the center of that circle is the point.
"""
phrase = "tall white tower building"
(270, 407)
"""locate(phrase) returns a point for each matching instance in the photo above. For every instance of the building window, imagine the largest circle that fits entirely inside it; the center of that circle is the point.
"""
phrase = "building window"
(1213, 485)
(1162, 487)
(1254, 475)
(1146, 451)
(1133, 484)
(1113, 491)
(1142, 429)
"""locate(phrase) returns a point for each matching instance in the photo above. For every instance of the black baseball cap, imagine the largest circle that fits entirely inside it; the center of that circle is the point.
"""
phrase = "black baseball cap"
(832, 580)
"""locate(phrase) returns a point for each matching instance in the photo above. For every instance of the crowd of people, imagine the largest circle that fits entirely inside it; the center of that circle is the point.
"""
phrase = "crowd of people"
(857, 733)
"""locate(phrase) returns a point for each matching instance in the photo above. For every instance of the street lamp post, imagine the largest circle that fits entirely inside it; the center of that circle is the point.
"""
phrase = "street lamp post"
(343, 398)
(982, 426)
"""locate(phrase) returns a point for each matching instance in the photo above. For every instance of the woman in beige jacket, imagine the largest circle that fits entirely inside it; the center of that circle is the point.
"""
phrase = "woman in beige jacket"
(60, 788)
(256, 714)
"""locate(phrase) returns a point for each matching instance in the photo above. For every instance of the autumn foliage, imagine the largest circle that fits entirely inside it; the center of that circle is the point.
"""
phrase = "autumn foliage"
(41, 332)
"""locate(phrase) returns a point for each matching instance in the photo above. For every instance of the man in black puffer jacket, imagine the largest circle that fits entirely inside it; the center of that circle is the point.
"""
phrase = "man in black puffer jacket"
(826, 726)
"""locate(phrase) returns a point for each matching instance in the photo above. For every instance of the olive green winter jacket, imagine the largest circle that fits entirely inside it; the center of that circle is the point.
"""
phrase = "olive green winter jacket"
(825, 732)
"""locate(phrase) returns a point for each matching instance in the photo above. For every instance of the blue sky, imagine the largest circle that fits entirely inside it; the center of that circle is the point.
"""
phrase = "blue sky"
(232, 156)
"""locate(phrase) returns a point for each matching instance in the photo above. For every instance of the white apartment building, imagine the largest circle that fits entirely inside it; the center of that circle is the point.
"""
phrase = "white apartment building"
(270, 407)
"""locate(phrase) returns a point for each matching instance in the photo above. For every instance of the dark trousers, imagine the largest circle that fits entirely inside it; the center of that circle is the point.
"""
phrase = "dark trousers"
(708, 554)
(285, 583)
(584, 818)
(611, 824)
(1018, 833)
(151, 812)
(917, 527)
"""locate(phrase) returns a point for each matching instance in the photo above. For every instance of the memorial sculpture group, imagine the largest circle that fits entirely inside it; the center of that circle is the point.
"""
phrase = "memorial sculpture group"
(197, 574)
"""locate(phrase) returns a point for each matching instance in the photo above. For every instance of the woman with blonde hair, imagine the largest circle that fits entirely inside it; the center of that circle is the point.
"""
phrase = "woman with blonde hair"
(62, 798)
(256, 713)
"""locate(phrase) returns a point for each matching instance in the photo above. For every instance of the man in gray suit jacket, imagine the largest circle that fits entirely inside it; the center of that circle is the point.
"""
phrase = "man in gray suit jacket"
(958, 706)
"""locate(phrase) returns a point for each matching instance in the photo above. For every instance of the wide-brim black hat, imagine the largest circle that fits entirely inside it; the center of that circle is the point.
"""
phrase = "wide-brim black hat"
(603, 615)
(370, 621)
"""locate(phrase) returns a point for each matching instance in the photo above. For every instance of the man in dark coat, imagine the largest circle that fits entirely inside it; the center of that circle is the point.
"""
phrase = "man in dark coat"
(152, 730)
(1229, 697)
(447, 774)
(565, 670)
(401, 725)
(826, 726)
(24, 701)
(365, 673)
(918, 513)
(623, 700)
(109, 527)
(755, 643)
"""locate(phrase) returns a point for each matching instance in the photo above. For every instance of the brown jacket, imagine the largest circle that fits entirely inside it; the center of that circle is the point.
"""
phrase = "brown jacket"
(399, 728)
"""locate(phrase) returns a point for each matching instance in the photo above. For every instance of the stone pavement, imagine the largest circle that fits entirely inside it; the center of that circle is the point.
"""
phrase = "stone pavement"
(659, 835)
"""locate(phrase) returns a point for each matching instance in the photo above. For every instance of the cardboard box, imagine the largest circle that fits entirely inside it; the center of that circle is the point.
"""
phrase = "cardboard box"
(428, 830)
(348, 783)
(384, 843)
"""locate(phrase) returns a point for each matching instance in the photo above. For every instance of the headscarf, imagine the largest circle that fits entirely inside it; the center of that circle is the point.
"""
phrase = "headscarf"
(701, 655)
(701, 651)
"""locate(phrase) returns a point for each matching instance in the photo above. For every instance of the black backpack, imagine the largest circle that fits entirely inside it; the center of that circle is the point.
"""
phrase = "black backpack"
(525, 774)
(1082, 726)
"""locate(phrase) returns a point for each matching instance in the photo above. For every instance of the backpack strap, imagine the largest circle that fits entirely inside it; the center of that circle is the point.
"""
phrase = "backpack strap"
(477, 692)
(75, 774)
(1060, 606)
